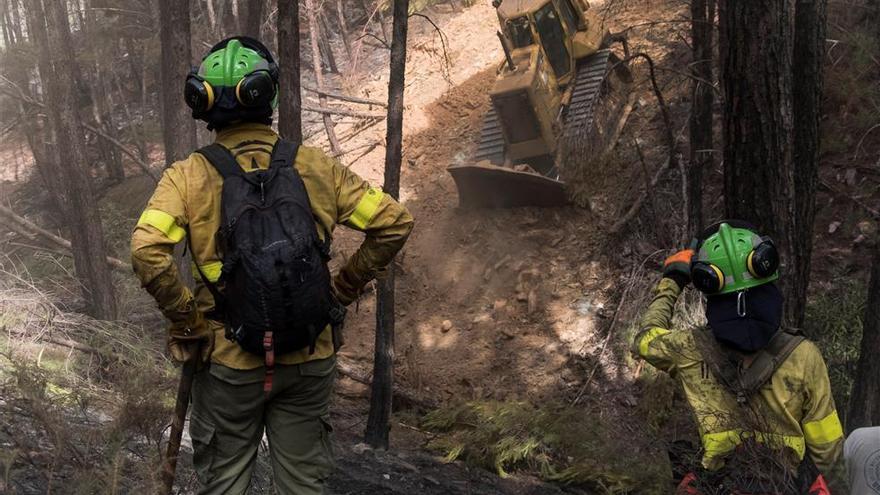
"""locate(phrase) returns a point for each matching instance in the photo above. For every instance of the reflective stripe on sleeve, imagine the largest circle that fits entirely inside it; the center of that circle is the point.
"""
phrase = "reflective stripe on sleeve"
(825, 430)
(211, 270)
(366, 208)
(164, 223)
(720, 443)
(649, 336)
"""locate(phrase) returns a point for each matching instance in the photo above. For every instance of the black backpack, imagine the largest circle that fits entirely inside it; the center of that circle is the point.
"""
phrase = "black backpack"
(276, 295)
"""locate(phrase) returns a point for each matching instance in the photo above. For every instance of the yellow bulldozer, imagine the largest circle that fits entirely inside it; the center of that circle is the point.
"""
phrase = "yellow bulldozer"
(560, 83)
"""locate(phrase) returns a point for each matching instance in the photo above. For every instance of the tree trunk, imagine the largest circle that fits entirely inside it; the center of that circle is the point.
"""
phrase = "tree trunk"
(104, 107)
(314, 34)
(178, 127)
(290, 97)
(378, 426)
(759, 172)
(87, 237)
(807, 76)
(343, 28)
(326, 48)
(253, 18)
(212, 15)
(380, 15)
(702, 99)
(16, 20)
(864, 405)
(5, 26)
(228, 20)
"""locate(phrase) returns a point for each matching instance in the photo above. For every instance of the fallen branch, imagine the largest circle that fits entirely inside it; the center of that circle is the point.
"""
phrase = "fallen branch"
(71, 344)
(369, 149)
(350, 372)
(27, 228)
(344, 97)
(343, 111)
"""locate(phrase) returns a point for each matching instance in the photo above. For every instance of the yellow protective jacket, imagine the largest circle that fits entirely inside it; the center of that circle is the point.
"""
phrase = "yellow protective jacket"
(795, 405)
(187, 201)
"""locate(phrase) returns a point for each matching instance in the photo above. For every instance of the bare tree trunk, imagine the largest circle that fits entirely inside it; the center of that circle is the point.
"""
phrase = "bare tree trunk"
(759, 170)
(381, 17)
(314, 34)
(326, 48)
(87, 237)
(178, 127)
(135, 62)
(253, 18)
(16, 20)
(864, 405)
(38, 132)
(5, 25)
(102, 97)
(378, 426)
(702, 99)
(807, 76)
(212, 15)
(290, 97)
(343, 28)
(228, 20)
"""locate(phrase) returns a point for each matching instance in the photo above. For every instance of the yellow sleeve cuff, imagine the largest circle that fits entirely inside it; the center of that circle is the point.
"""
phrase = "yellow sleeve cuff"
(648, 337)
(164, 223)
(825, 430)
(212, 271)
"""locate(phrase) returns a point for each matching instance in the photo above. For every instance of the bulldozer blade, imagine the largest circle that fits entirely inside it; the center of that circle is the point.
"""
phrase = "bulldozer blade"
(483, 185)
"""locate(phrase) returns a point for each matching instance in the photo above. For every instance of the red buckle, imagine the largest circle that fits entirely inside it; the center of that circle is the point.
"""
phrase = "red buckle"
(687, 485)
(819, 487)
(269, 349)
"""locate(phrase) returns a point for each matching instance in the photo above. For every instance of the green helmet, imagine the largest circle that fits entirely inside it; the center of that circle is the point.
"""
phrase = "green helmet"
(227, 66)
(731, 257)
(237, 80)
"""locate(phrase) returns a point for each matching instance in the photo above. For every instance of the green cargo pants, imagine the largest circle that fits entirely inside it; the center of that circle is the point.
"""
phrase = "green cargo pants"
(230, 412)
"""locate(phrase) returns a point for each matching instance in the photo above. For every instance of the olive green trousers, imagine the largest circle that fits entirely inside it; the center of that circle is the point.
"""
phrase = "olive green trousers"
(230, 411)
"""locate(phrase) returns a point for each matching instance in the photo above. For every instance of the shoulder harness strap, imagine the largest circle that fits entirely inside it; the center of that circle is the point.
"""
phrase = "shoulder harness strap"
(222, 160)
(768, 360)
(283, 154)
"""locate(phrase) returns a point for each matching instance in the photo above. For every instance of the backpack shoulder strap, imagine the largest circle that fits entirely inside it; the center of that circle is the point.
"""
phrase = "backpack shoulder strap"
(283, 153)
(769, 360)
(222, 160)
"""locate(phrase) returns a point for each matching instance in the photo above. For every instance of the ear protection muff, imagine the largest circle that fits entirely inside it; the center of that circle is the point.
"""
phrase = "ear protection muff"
(706, 277)
(198, 93)
(256, 89)
(763, 261)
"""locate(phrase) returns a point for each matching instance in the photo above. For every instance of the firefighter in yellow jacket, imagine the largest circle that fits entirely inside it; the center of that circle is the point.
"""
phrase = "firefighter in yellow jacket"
(747, 381)
(234, 401)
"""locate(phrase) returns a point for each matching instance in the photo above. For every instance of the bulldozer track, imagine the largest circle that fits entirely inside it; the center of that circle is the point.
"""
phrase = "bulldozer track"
(491, 140)
(588, 82)
(587, 86)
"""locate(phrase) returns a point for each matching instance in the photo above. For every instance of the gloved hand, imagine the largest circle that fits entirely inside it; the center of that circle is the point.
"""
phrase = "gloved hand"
(678, 267)
(345, 291)
(191, 338)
